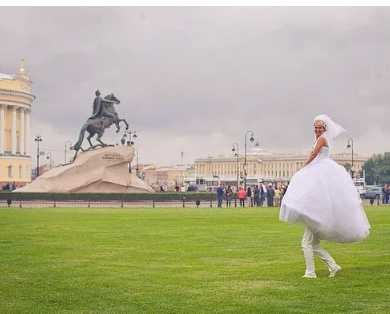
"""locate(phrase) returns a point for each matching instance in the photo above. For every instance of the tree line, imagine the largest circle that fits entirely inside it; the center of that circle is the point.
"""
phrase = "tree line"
(377, 169)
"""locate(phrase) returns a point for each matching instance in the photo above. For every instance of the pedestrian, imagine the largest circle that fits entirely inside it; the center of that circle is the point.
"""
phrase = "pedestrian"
(242, 196)
(387, 193)
(270, 195)
(323, 198)
(228, 196)
(256, 195)
(220, 194)
(278, 196)
(249, 196)
(263, 193)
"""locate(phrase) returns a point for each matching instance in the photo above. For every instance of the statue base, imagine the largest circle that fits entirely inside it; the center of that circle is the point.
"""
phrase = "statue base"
(103, 170)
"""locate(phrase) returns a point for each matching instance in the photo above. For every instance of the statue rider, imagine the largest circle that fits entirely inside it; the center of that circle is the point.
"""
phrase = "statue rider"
(98, 107)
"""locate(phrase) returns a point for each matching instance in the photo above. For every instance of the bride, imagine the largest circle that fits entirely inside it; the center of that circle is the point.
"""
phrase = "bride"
(322, 196)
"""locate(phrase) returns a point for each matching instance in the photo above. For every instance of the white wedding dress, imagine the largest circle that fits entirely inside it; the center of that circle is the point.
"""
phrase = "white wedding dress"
(323, 197)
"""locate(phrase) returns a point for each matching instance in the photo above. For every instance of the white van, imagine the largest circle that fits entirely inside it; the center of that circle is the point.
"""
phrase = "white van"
(360, 185)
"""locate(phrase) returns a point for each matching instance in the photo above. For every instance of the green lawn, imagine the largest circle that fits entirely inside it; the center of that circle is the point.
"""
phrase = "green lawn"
(72, 260)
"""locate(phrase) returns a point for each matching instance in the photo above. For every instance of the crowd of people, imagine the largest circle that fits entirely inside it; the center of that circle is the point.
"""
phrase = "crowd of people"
(253, 196)
(9, 186)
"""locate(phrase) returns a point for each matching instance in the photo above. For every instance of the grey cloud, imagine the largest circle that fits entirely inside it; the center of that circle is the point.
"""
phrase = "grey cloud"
(195, 79)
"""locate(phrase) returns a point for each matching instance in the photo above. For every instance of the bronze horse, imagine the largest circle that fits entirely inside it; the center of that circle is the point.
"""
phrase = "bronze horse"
(96, 125)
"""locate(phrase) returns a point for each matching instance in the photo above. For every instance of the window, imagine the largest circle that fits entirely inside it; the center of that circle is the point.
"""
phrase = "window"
(20, 171)
(9, 171)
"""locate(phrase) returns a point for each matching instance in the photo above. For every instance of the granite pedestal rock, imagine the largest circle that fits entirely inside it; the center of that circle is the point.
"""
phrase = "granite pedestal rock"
(103, 170)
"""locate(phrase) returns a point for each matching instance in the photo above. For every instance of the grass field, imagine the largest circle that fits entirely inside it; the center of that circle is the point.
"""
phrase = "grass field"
(181, 261)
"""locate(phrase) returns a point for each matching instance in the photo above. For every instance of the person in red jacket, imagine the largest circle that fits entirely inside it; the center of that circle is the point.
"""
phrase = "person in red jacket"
(242, 196)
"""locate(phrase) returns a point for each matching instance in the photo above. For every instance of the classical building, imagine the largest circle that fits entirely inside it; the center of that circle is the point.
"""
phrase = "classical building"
(261, 166)
(166, 177)
(15, 107)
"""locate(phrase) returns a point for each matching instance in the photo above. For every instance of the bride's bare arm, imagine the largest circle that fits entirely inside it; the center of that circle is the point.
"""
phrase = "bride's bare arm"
(320, 143)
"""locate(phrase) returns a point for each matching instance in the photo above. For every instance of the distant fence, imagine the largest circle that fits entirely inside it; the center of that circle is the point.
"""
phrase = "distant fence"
(121, 200)
(161, 199)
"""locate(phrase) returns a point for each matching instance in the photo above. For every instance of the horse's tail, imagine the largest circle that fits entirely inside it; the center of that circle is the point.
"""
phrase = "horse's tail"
(80, 140)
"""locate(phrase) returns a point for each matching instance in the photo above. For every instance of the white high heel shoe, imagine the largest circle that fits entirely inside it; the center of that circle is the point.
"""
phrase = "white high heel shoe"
(310, 275)
(332, 272)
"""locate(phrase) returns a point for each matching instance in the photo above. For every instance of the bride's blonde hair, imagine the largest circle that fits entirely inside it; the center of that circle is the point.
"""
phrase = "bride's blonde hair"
(322, 122)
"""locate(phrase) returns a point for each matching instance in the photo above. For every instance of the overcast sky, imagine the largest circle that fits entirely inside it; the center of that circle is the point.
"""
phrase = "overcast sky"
(195, 79)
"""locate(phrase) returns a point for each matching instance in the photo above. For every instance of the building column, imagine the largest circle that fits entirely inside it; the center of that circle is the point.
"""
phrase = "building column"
(13, 130)
(2, 128)
(27, 132)
(21, 133)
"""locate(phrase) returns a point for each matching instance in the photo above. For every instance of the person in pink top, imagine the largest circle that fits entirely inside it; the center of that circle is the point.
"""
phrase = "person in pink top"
(242, 196)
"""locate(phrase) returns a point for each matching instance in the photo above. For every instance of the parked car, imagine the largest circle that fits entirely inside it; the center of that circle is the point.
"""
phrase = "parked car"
(373, 192)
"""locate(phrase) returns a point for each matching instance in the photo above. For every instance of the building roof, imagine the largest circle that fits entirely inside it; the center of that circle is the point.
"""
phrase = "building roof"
(276, 156)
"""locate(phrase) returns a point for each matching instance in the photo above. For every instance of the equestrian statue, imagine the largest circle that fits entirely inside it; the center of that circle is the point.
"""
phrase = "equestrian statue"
(103, 116)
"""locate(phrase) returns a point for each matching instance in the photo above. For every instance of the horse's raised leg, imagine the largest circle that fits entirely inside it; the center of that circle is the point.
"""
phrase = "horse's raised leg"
(125, 122)
(118, 127)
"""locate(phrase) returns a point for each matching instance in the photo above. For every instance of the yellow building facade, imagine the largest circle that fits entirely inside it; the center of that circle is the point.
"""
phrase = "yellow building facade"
(15, 109)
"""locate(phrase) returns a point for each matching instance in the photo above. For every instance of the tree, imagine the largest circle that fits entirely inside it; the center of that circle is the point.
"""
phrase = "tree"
(377, 169)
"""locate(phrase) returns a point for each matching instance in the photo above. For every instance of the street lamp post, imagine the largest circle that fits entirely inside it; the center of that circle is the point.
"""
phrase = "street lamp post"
(38, 139)
(236, 151)
(136, 167)
(251, 139)
(350, 145)
(66, 149)
(132, 134)
(49, 156)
